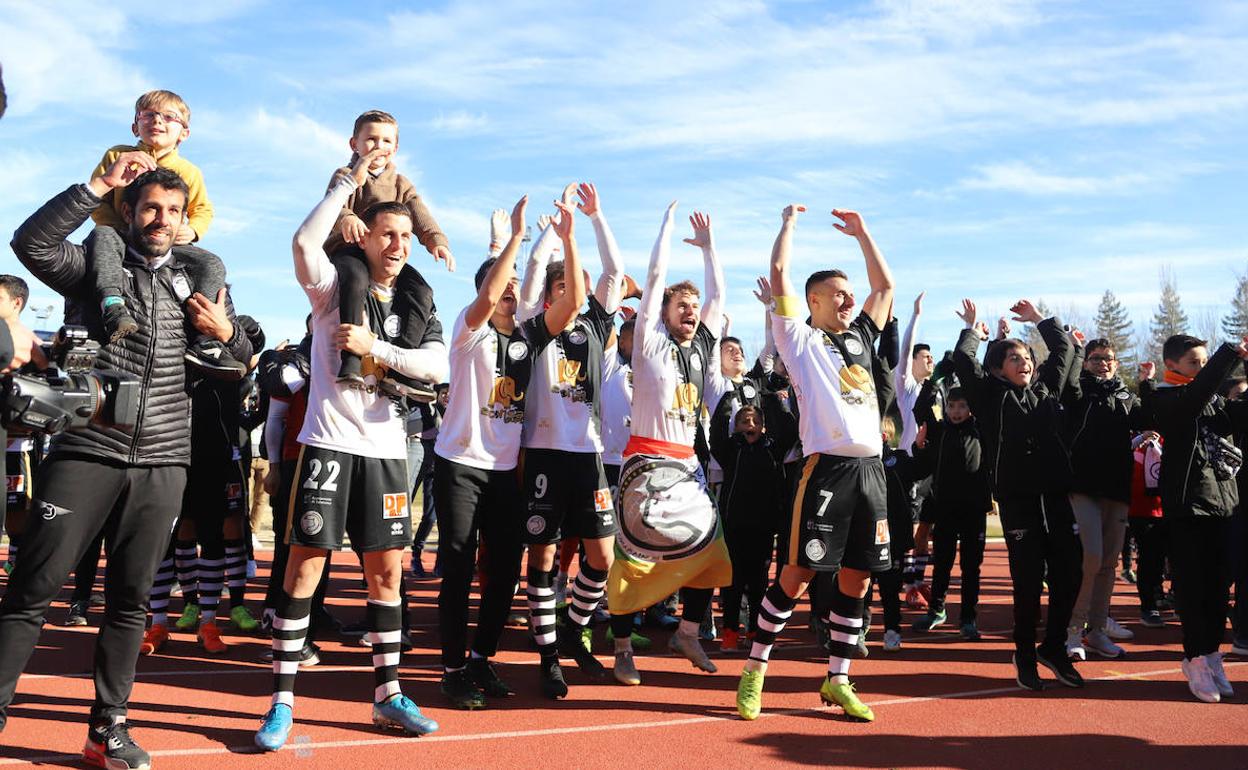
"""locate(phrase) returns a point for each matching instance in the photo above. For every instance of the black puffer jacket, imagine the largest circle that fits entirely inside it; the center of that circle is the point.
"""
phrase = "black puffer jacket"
(1020, 426)
(155, 353)
(1191, 419)
(1100, 417)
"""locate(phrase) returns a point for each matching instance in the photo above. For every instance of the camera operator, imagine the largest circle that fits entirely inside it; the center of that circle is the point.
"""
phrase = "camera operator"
(127, 482)
(18, 347)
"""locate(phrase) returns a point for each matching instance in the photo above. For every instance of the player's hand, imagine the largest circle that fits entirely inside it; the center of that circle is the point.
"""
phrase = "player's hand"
(498, 229)
(789, 215)
(981, 328)
(1148, 370)
(25, 347)
(353, 229)
(920, 438)
(1026, 312)
(631, 290)
(517, 217)
(565, 224)
(354, 339)
(763, 293)
(272, 479)
(589, 199)
(1003, 327)
(702, 237)
(918, 303)
(854, 225)
(128, 167)
(360, 169)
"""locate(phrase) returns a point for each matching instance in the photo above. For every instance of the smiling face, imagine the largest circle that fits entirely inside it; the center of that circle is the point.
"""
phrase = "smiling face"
(154, 220)
(732, 359)
(831, 303)
(161, 127)
(387, 245)
(957, 411)
(1101, 363)
(922, 365)
(373, 136)
(1017, 366)
(682, 315)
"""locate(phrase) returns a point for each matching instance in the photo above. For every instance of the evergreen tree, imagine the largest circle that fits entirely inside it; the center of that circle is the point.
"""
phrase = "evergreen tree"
(1235, 323)
(1169, 318)
(1114, 324)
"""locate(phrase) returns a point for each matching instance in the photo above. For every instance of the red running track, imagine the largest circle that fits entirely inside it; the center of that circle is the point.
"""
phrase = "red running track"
(940, 702)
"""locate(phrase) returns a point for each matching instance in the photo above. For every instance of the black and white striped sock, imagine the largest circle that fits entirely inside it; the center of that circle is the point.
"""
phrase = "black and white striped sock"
(587, 592)
(907, 569)
(844, 628)
(541, 595)
(290, 630)
(920, 567)
(158, 599)
(773, 614)
(236, 571)
(186, 566)
(385, 624)
(211, 579)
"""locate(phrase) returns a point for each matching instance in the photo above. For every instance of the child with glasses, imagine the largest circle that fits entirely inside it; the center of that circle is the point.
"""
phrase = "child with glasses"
(161, 123)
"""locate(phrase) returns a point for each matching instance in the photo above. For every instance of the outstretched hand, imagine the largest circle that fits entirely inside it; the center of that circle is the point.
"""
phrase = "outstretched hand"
(1026, 312)
(918, 303)
(517, 217)
(763, 294)
(564, 224)
(981, 329)
(498, 228)
(853, 227)
(589, 199)
(701, 231)
(1148, 370)
(1003, 328)
(443, 254)
(967, 313)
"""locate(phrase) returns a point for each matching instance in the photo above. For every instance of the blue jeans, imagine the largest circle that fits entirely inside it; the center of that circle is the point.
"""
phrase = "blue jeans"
(420, 476)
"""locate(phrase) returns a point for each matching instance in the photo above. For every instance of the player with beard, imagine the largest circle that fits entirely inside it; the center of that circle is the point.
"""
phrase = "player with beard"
(669, 535)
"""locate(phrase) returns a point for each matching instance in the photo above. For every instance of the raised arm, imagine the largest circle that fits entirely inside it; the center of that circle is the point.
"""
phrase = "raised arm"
(650, 309)
(903, 374)
(1054, 371)
(767, 356)
(499, 274)
(713, 303)
(313, 269)
(971, 375)
(781, 254)
(529, 303)
(564, 309)
(880, 301)
(609, 289)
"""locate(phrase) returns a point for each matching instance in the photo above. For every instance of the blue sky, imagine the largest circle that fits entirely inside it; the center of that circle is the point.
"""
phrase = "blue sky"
(996, 149)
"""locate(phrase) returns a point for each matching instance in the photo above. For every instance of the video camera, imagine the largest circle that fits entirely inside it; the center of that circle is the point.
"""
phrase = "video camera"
(70, 393)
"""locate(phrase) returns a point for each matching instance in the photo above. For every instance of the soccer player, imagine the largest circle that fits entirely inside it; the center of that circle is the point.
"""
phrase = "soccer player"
(475, 480)
(669, 529)
(352, 471)
(839, 515)
(565, 485)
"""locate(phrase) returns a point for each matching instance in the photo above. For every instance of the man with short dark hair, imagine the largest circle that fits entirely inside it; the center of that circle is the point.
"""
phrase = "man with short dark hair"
(126, 481)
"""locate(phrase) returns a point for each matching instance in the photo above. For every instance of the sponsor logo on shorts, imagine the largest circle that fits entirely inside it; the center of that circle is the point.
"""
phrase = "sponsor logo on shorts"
(394, 506)
(311, 523)
(881, 532)
(16, 483)
(815, 550)
(884, 553)
(396, 527)
(536, 525)
(391, 325)
(607, 519)
(233, 490)
(49, 511)
(602, 500)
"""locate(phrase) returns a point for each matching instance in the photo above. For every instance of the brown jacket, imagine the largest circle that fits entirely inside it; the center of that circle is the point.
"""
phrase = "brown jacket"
(385, 187)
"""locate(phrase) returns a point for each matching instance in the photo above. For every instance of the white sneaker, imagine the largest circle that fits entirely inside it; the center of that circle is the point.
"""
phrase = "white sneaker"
(1213, 661)
(1115, 631)
(1100, 643)
(1200, 680)
(892, 641)
(1074, 644)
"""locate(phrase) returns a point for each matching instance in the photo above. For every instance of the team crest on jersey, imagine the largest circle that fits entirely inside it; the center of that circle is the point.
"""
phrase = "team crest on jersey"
(853, 345)
(695, 361)
(391, 325)
(394, 505)
(517, 350)
(890, 461)
(311, 523)
(505, 402)
(856, 384)
(815, 550)
(577, 337)
(749, 391)
(181, 287)
(1122, 395)
(535, 525)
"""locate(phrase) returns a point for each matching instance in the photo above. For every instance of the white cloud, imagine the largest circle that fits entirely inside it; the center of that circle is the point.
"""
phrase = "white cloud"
(1022, 178)
(459, 122)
